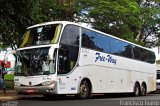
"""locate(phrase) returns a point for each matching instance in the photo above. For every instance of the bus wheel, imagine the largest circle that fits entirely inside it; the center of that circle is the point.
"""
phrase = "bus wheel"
(143, 90)
(136, 90)
(84, 90)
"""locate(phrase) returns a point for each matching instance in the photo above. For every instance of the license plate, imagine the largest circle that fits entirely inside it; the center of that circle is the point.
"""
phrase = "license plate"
(30, 91)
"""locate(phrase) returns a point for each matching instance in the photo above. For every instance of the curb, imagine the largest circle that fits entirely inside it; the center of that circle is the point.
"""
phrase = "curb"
(10, 98)
(19, 97)
(11, 95)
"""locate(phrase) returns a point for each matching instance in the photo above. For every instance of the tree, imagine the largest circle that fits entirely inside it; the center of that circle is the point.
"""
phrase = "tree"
(116, 17)
(149, 32)
(58, 9)
(15, 16)
(133, 20)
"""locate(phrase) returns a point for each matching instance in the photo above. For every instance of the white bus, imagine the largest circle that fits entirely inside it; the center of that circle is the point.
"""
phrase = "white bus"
(158, 76)
(66, 58)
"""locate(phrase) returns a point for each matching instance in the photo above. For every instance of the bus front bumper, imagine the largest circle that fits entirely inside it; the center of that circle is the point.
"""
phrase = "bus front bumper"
(49, 89)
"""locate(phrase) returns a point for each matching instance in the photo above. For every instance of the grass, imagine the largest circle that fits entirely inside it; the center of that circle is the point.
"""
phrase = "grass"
(9, 78)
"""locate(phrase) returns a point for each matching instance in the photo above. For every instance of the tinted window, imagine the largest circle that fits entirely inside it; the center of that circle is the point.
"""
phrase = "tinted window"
(102, 43)
(68, 55)
(151, 57)
(143, 54)
(136, 52)
(158, 74)
(70, 35)
(126, 50)
(68, 52)
(88, 39)
(116, 47)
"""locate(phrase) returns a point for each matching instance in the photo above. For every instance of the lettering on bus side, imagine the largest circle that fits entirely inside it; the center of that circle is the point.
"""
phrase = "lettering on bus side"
(107, 58)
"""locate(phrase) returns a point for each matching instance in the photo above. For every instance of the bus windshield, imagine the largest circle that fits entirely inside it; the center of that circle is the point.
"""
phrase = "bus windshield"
(41, 35)
(34, 62)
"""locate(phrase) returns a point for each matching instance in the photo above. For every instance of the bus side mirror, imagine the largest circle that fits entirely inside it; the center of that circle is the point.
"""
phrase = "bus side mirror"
(51, 52)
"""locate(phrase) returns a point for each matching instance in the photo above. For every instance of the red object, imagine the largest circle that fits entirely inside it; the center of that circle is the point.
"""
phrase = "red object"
(8, 65)
(30, 91)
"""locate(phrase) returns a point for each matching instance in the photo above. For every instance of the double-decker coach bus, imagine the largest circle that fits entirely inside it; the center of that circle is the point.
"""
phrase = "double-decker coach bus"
(66, 58)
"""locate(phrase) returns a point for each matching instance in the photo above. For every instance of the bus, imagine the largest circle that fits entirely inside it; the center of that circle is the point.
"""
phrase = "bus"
(62, 57)
(158, 76)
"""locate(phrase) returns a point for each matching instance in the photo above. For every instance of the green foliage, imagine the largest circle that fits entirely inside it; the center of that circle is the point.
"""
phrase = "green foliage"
(117, 18)
(9, 77)
(132, 20)
(150, 29)
(15, 16)
(158, 62)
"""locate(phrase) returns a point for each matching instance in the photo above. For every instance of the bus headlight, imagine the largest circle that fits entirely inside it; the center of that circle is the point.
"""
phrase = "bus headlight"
(48, 83)
(17, 84)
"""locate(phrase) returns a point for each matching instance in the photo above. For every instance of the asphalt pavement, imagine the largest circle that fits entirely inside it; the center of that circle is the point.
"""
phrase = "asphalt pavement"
(12, 95)
(97, 100)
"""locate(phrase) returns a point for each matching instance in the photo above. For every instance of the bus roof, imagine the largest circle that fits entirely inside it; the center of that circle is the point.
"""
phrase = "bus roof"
(73, 23)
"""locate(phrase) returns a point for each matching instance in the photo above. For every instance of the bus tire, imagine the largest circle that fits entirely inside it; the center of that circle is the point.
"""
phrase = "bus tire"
(143, 89)
(136, 91)
(84, 90)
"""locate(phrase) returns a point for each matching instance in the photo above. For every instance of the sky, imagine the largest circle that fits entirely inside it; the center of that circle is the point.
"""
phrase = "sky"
(157, 54)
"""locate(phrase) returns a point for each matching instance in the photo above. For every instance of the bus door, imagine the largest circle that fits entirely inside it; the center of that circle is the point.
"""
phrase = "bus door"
(67, 59)
(66, 80)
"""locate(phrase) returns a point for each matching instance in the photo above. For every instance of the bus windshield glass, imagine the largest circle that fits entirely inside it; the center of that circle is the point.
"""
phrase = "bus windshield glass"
(41, 35)
(34, 62)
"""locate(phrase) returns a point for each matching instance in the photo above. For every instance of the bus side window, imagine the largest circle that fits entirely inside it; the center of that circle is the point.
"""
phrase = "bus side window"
(136, 52)
(63, 61)
(68, 52)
